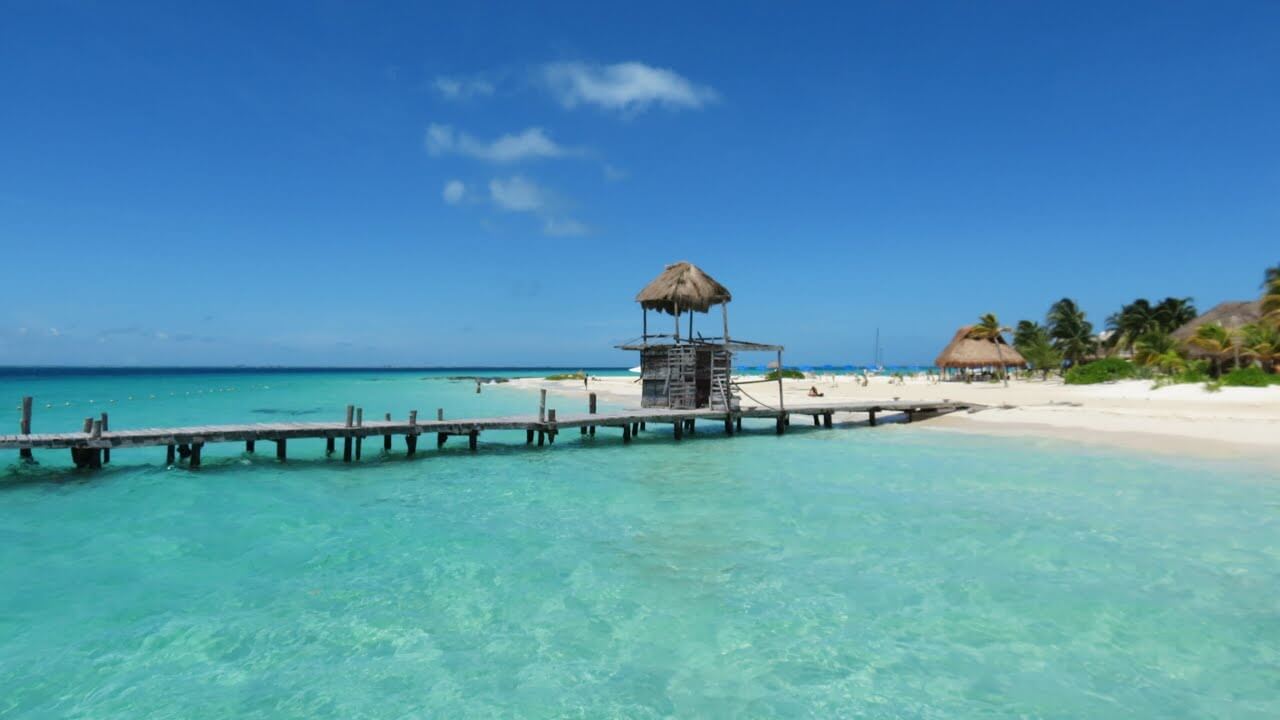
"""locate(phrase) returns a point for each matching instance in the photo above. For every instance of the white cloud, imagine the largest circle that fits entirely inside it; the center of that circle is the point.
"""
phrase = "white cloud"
(454, 192)
(530, 144)
(623, 86)
(456, 88)
(565, 227)
(53, 332)
(516, 194)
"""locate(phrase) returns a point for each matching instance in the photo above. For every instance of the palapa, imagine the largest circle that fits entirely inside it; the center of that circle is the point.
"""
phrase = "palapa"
(969, 352)
(683, 287)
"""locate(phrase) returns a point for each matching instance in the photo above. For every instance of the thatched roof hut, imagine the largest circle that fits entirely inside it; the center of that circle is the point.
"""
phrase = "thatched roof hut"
(969, 352)
(1232, 315)
(683, 287)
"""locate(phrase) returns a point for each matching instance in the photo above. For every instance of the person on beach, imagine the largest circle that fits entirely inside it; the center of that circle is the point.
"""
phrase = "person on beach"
(813, 391)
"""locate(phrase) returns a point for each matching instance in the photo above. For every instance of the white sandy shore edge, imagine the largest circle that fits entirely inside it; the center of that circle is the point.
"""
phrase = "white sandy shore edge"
(1182, 420)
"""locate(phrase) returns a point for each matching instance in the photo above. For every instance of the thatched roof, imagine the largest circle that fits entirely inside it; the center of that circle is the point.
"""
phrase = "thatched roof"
(1232, 315)
(683, 286)
(966, 352)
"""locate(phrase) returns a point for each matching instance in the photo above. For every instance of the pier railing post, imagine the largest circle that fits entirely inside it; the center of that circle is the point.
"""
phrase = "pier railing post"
(542, 405)
(551, 425)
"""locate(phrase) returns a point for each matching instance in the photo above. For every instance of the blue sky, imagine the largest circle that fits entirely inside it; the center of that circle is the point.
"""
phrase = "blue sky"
(382, 183)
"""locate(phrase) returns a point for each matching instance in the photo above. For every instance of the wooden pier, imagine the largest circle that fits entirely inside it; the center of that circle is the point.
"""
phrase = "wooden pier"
(91, 447)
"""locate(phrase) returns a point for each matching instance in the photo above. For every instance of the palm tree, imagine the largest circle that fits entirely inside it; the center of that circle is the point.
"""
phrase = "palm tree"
(1271, 296)
(1072, 334)
(1261, 342)
(1172, 313)
(989, 328)
(1215, 340)
(1133, 320)
(1170, 361)
(1028, 333)
(1152, 346)
(1042, 355)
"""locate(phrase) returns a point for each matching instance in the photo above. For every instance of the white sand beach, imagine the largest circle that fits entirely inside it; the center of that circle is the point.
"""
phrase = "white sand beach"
(1184, 420)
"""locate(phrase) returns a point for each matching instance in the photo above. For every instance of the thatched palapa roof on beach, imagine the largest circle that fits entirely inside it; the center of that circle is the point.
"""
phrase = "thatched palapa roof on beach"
(969, 352)
(1232, 315)
(683, 286)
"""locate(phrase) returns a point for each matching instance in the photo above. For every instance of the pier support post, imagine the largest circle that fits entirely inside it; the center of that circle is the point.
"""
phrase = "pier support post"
(328, 446)
(871, 418)
(826, 420)
(728, 425)
(411, 439)
(169, 453)
(642, 427)
(359, 437)
(281, 449)
(679, 429)
(542, 436)
(184, 451)
(911, 415)
(528, 436)
(782, 423)
(249, 446)
(626, 433)
(195, 455)
(106, 452)
(346, 439)
(473, 440)
(816, 421)
(24, 427)
(440, 439)
(551, 426)
(591, 410)
(386, 437)
(737, 423)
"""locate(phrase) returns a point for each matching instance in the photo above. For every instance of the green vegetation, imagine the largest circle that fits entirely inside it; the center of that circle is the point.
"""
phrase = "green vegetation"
(1100, 371)
(788, 373)
(567, 376)
(1140, 318)
(1251, 376)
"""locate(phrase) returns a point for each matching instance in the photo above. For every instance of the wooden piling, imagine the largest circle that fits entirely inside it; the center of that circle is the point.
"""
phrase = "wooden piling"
(528, 436)
(826, 420)
(170, 455)
(626, 433)
(346, 439)
(816, 421)
(473, 440)
(542, 405)
(194, 461)
(360, 437)
(871, 418)
(249, 446)
(440, 440)
(782, 424)
(386, 438)
(411, 439)
(281, 450)
(24, 427)
(551, 423)
(728, 425)
(591, 410)
(328, 446)
(106, 452)
(679, 429)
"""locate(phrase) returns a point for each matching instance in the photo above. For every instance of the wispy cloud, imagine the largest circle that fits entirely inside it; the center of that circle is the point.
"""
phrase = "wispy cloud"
(516, 194)
(462, 88)
(628, 86)
(531, 144)
(564, 227)
(454, 192)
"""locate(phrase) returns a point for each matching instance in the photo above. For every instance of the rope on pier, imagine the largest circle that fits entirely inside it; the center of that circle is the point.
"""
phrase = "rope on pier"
(744, 392)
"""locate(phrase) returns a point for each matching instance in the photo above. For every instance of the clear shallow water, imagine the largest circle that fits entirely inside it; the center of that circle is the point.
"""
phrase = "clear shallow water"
(885, 573)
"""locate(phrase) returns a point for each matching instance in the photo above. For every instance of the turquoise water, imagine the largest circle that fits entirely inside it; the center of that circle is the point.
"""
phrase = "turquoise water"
(892, 572)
